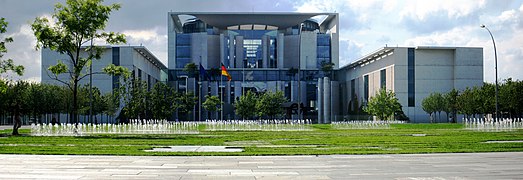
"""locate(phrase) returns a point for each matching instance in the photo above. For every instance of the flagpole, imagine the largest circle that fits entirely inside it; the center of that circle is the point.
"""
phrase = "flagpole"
(200, 94)
(221, 98)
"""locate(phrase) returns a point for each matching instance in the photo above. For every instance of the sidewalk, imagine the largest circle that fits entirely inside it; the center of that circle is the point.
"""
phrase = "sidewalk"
(408, 166)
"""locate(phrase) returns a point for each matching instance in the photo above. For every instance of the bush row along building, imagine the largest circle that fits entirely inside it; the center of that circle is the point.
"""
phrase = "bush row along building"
(286, 52)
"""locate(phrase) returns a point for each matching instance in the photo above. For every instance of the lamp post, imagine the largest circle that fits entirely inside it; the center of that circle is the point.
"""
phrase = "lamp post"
(496, 68)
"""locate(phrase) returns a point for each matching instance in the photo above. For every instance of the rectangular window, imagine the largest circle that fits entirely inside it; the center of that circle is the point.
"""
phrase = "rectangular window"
(116, 62)
(411, 77)
(323, 49)
(353, 88)
(366, 87)
(383, 79)
(183, 50)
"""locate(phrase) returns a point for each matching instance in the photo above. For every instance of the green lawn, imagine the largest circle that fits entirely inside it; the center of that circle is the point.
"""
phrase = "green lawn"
(400, 138)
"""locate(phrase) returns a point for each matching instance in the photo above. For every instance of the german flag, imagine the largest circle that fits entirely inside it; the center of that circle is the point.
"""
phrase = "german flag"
(225, 73)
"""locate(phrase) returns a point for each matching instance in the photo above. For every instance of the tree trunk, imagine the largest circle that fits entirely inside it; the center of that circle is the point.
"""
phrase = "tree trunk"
(75, 103)
(17, 123)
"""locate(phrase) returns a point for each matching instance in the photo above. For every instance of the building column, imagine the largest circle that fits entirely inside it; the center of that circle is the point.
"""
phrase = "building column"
(327, 99)
(319, 104)
(265, 51)
(335, 100)
(279, 51)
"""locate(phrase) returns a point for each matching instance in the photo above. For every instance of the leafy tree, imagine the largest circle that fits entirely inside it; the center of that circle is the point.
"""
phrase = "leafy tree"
(8, 64)
(485, 99)
(135, 99)
(76, 23)
(292, 72)
(212, 103)
(191, 69)
(186, 102)
(429, 106)
(451, 104)
(269, 103)
(383, 105)
(466, 102)
(246, 105)
(18, 103)
(327, 68)
(510, 97)
(162, 98)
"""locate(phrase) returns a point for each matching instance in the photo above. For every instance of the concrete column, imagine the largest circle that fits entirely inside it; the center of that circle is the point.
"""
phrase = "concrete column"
(294, 91)
(222, 48)
(335, 100)
(265, 51)
(279, 51)
(319, 104)
(232, 49)
(227, 98)
(237, 89)
(327, 100)
(239, 52)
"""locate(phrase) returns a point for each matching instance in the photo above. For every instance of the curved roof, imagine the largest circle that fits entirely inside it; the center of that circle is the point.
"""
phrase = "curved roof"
(222, 20)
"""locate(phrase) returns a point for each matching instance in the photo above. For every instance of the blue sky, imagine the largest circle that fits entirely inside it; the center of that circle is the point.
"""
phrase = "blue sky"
(364, 25)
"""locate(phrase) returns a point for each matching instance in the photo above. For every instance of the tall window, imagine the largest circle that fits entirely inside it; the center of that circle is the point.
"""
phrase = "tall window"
(183, 50)
(116, 62)
(411, 77)
(323, 49)
(353, 88)
(366, 87)
(383, 79)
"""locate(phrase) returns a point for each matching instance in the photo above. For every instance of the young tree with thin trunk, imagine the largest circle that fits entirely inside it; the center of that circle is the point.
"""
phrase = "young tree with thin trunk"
(74, 25)
(383, 105)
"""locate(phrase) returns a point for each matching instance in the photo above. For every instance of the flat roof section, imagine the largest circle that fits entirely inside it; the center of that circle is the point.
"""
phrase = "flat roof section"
(222, 20)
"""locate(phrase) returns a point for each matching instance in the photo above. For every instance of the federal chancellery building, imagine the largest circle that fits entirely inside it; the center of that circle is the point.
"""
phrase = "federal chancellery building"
(286, 52)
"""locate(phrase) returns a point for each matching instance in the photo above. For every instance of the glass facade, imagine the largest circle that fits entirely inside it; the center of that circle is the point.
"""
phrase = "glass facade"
(116, 62)
(411, 77)
(183, 50)
(323, 49)
(366, 87)
(383, 79)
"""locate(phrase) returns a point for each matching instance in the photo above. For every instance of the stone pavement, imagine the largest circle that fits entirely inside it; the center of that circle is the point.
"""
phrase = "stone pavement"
(403, 167)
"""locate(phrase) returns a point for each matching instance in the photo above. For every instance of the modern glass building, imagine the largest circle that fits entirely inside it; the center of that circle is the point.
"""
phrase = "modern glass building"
(261, 51)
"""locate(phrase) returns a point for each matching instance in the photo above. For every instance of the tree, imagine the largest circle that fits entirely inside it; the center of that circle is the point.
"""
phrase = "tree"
(428, 105)
(383, 105)
(246, 105)
(190, 69)
(212, 103)
(467, 102)
(7, 65)
(186, 102)
(327, 68)
(76, 23)
(451, 104)
(18, 103)
(162, 98)
(269, 103)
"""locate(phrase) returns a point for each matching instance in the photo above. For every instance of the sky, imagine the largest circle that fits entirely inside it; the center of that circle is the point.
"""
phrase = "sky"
(365, 26)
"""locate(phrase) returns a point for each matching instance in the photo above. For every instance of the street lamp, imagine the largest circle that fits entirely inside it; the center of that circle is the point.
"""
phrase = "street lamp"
(496, 68)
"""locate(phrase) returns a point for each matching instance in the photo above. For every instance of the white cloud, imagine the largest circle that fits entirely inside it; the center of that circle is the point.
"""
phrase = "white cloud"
(22, 51)
(420, 10)
(152, 39)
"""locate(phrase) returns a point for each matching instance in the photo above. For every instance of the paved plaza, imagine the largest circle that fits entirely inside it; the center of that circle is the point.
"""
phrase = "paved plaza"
(409, 166)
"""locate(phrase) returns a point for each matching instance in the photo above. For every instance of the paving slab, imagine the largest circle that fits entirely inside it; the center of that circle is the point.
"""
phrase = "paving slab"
(506, 165)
